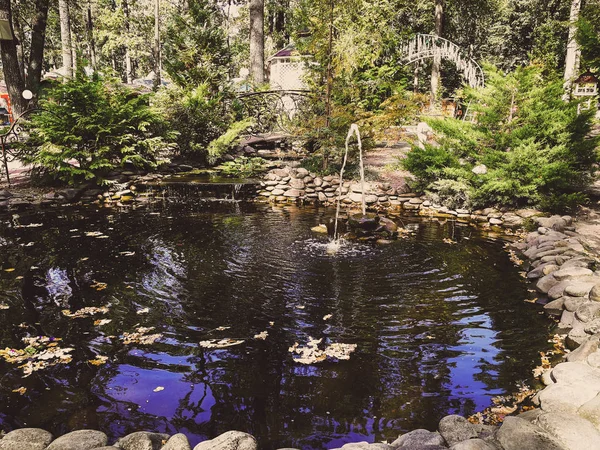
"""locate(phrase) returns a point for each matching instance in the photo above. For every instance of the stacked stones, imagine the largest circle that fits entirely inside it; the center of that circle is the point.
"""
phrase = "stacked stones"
(297, 184)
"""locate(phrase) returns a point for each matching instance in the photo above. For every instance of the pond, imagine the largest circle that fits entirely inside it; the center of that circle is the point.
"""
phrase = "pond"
(439, 328)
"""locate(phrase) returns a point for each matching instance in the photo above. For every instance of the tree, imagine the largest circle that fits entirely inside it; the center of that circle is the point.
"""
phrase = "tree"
(437, 60)
(588, 34)
(572, 57)
(257, 41)
(10, 61)
(38, 41)
(65, 38)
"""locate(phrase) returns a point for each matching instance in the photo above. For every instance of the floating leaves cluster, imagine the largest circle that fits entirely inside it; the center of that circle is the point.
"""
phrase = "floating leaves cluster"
(220, 343)
(41, 352)
(141, 336)
(88, 311)
(311, 353)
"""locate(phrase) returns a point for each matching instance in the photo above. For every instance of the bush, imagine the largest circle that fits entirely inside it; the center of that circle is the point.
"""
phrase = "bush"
(534, 145)
(227, 141)
(243, 167)
(87, 128)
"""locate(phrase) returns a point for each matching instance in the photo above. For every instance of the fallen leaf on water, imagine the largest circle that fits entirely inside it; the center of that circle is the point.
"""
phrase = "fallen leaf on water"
(271, 323)
(327, 317)
(101, 322)
(449, 241)
(222, 328)
(220, 343)
(300, 307)
(20, 390)
(99, 360)
(19, 278)
(93, 233)
(533, 300)
(84, 259)
(262, 336)
(143, 311)
(98, 285)
(12, 269)
(4, 306)
(158, 389)
(127, 253)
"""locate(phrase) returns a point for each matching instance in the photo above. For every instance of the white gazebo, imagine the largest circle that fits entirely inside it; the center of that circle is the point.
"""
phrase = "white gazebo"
(287, 69)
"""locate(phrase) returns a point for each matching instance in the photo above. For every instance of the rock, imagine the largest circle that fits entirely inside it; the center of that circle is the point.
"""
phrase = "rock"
(573, 431)
(546, 283)
(512, 220)
(587, 312)
(567, 398)
(418, 438)
(577, 336)
(573, 303)
(455, 429)
(473, 444)
(579, 288)
(591, 411)
(177, 442)
(370, 199)
(292, 193)
(415, 201)
(322, 197)
(480, 169)
(495, 221)
(519, 434)
(297, 184)
(592, 327)
(319, 229)
(595, 293)
(365, 446)
(30, 435)
(555, 307)
(232, 440)
(80, 440)
(556, 223)
(558, 290)
(142, 440)
(576, 373)
(301, 172)
(318, 182)
(277, 192)
(582, 352)
(17, 445)
(571, 272)
(594, 360)
(70, 195)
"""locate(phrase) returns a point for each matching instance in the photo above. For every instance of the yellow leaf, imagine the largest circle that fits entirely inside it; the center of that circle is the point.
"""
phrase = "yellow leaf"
(12, 269)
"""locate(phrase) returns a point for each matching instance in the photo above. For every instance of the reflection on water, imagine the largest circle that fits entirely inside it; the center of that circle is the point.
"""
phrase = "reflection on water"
(440, 328)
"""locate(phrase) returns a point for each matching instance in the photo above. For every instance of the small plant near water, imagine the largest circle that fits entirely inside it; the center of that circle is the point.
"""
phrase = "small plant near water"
(243, 167)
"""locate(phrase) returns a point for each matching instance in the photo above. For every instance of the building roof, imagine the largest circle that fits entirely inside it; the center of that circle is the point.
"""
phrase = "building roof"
(587, 77)
(286, 52)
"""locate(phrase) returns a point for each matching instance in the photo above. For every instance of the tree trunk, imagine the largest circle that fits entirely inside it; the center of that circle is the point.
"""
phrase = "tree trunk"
(10, 65)
(128, 65)
(89, 27)
(38, 39)
(257, 41)
(157, 79)
(572, 58)
(65, 38)
(437, 59)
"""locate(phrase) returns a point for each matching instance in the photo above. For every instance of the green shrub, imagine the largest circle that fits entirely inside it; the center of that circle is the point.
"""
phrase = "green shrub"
(534, 145)
(243, 167)
(227, 141)
(87, 128)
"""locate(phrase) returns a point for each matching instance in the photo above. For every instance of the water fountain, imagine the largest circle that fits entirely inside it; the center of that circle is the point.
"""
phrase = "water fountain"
(364, 225)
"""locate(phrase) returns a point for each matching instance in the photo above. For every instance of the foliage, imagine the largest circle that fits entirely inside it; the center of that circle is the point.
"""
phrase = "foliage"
(533, 144)
(197, 114)
(588, 34)
(195, 48)
(89, 127)
(228, 140)
(243, 167)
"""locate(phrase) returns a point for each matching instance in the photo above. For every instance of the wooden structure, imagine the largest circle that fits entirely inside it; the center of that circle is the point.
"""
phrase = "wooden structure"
(586, 88)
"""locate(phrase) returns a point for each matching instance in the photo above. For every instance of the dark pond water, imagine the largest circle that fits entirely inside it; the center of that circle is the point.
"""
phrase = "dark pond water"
(439, 328)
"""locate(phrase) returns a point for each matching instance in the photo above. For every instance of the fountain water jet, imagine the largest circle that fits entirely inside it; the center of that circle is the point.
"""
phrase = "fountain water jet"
(335, 244)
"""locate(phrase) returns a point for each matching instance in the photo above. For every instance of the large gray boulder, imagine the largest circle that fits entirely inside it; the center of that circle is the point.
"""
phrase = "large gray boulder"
(142, 440)
(473, 444)
(232, 440)
(455, 429)
(16, 445)
(519, 434)
(573, 431)
(418, 439)
(80, 440)
(30, 435)
(177, 442)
